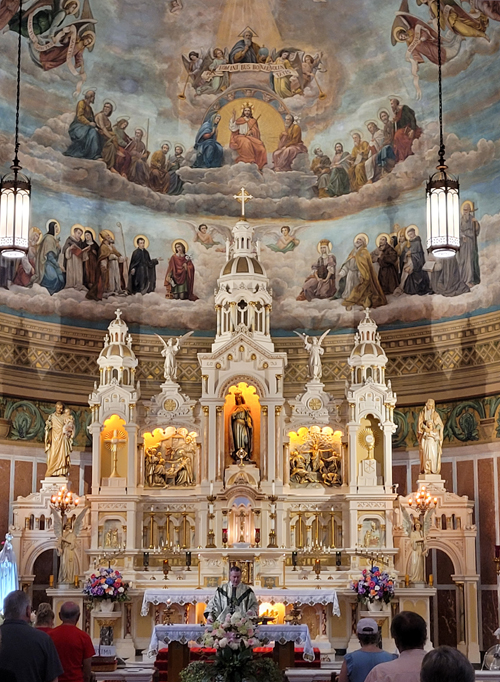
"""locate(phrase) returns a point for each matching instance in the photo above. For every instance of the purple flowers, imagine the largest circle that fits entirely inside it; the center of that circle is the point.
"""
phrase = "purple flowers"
(374, 585)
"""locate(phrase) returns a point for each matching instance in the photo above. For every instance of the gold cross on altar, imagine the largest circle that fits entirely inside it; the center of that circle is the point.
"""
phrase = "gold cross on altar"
(242, 197)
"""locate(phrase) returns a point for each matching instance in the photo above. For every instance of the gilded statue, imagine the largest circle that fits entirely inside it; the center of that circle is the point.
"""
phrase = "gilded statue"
(176, 466)
(430, 430)
(59, 433)
(315, 350)
(169, 352)
(241, 429)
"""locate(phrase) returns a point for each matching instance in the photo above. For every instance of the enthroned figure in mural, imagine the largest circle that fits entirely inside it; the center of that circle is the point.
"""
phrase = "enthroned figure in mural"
(245, 51)
(290, 145)
(321, 282)
(209, 152)
(85, 138)
(245, 138)
(241, 429)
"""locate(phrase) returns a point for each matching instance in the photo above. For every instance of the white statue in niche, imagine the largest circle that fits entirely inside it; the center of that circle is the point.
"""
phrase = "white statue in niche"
(67, 531)
(315, 350)
(430, 437)
(417, 532)
(169, 352)
(59, 433)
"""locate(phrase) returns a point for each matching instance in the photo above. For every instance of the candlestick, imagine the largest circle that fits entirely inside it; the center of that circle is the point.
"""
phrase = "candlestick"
(407, 580)
(284, 571)
(431, 580)
(51, 581)
(274, 488)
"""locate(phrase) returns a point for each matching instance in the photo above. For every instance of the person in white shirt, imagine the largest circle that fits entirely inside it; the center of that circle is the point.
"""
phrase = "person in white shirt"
(409, 631)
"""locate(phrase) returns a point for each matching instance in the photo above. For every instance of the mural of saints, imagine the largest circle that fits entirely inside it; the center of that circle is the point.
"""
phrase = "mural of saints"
(179, 280)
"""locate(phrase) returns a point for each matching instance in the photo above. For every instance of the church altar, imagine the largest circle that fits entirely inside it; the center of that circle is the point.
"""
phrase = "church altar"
(298, 634)
(294, 595)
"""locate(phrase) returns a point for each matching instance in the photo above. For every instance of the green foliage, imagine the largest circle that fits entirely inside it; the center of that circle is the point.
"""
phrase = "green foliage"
(233, 666)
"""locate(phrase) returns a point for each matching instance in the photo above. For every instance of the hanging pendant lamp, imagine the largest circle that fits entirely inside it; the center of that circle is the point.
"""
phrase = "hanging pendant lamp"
(15, 188)
(443, 202)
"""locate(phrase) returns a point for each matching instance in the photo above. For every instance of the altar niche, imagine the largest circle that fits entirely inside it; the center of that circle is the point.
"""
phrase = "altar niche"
(370, 451)
(315, 457)
(242, 425)
(170, 458)
(114, 439)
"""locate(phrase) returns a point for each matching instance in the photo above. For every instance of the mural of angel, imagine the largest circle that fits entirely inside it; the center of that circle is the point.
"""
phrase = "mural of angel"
(315, 350)
(8, 568)
(206, 234)
(422, 42)
(67, 535)
(170, 350)
(458, 20)
(212, 83)
(286, 241)
(430, 430)
(193, 64)
(417, 533)
(59, 432)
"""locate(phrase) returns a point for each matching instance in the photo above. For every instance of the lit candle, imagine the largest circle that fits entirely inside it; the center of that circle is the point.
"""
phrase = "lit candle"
(274, 488)
(431, 580)
(407, 580)
(77, 581)
(151, 507)
(51, 581)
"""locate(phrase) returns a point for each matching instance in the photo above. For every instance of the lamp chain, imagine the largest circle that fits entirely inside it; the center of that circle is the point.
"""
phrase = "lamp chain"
(441, 140)
(16, 147)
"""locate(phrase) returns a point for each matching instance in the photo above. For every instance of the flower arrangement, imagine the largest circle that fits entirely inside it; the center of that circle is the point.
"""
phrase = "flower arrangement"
(107, 583)
(233, 639)
(374, 585)
(236, 631)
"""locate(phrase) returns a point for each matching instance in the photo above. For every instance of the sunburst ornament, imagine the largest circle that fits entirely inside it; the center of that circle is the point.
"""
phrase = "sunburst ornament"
(367, 440)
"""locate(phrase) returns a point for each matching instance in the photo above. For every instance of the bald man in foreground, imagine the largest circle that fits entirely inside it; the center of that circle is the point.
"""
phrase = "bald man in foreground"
(74, 646)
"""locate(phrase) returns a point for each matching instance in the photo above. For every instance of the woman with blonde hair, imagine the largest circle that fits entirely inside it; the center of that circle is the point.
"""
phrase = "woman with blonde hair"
(44, 619)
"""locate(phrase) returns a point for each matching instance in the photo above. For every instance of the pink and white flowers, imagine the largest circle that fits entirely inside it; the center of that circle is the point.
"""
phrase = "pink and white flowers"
(234, 631)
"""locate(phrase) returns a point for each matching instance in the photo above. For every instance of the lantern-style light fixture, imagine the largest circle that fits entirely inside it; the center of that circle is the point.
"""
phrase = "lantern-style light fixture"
(15, 188)
(443, 203)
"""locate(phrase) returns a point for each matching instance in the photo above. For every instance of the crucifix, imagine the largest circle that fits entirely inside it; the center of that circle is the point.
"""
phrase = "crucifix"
(113, 444)
(242, 197)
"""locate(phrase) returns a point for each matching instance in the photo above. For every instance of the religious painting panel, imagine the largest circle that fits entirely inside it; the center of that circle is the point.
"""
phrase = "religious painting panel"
(170, 457)
(315, 457)
(371, 531)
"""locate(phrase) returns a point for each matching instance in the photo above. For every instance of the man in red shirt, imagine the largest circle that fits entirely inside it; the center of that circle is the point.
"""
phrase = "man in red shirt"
(74, 646)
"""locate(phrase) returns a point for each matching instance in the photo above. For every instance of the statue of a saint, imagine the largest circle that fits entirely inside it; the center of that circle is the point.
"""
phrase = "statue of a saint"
(418, 536)
(241, 429)
(430, 437)
(170, 350)
(66, 544)
(59, 432)
(315, 350)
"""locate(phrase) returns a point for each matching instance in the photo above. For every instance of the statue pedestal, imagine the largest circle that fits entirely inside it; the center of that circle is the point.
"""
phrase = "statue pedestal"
(431, 481)
(248, 474)
(53, 484)
(113, 485)
(369, 474)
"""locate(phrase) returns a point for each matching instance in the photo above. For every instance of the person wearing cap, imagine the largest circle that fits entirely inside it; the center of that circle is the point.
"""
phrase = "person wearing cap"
(409, 631)
(358, 664)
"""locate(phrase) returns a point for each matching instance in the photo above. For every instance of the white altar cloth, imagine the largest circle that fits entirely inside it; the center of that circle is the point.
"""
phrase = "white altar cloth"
(294, 595)
(299, 634)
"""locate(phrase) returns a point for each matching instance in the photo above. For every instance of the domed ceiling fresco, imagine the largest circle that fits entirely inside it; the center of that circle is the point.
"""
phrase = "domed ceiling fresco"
(140, 122)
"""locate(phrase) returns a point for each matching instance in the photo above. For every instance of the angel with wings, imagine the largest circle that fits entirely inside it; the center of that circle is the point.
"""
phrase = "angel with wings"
(417, 533)
(206, 235)
(285, 241)
(170, 350)
(67, 531)
(211, 83)
(315, 350)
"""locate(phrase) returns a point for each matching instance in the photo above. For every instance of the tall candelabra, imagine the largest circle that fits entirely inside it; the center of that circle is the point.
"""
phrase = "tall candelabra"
(422, 501)
(272, 533)
(63, 502)
(211, 535)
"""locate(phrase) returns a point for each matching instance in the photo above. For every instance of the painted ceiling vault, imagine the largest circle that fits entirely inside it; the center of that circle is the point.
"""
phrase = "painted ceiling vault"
(140, 121)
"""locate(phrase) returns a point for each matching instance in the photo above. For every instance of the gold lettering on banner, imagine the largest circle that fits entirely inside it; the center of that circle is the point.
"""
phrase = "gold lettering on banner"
(276, 69)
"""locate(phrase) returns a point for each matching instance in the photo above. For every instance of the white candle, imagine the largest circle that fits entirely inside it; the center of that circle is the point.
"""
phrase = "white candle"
(151, 507)
(211, 508)
(211, 488)
(274, 488)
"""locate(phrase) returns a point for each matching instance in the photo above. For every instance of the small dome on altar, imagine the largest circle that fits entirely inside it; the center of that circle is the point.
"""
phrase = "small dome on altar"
(242, 265)
(367, 348)
(117, 350)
